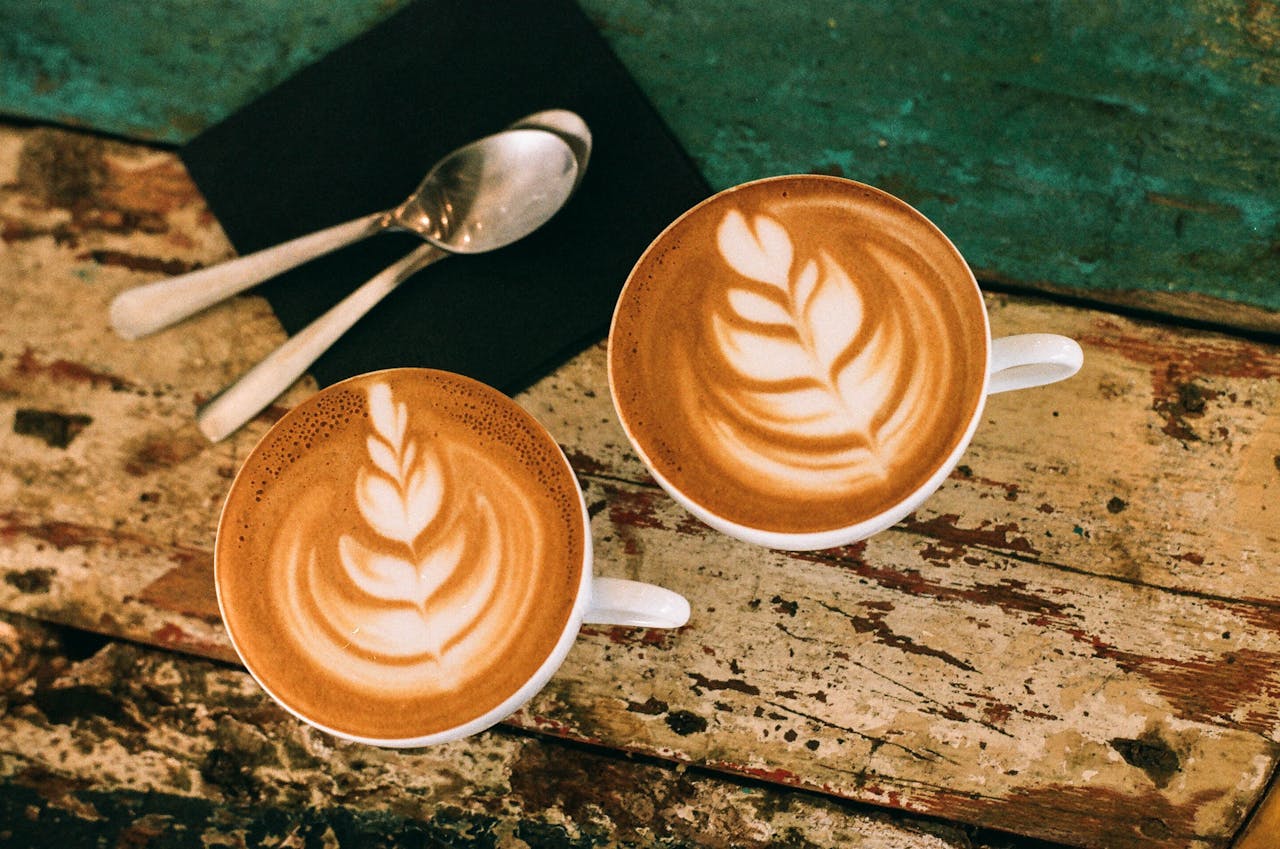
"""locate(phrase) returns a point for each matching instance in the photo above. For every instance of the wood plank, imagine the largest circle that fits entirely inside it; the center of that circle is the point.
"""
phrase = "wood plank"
(131, 744)
(166, 70)
(1123, 152)
(1083, 622)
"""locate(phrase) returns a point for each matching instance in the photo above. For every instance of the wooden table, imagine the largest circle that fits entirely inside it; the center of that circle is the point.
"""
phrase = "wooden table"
(1076, 641)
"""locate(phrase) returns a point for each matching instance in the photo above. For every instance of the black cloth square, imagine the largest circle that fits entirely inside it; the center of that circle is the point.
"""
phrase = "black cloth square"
(356, 132)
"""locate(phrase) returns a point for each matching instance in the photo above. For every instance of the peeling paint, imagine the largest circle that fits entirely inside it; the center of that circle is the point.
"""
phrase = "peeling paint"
(162, 450)
(140, 263)
(30, 365)
(1002, 537)
(55, 429)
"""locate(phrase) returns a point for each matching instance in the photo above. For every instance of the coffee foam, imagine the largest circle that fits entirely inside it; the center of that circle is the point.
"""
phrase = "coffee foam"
(400, 554)
(798, 354)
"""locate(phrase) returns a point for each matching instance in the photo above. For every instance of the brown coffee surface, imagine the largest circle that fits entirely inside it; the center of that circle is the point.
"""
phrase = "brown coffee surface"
(400, 553)
(799, 354)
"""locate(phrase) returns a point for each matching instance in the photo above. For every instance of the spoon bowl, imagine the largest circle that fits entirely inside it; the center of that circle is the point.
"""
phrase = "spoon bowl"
(569, 126)
(490, 193)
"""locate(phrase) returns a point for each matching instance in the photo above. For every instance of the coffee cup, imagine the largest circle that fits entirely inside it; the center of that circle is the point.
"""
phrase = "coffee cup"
(405, 559)
(800, 361)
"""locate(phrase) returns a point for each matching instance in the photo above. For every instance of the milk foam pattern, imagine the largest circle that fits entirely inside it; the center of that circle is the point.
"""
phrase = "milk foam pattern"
(418, 579)
(817, 393)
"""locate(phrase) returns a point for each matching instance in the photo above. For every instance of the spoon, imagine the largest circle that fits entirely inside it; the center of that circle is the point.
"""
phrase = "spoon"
(568, 126)
(145, 309)
(479, 198)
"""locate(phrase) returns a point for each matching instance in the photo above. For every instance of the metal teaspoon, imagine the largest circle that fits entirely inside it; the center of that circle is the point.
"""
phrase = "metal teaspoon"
(145, 309)
(481, 197)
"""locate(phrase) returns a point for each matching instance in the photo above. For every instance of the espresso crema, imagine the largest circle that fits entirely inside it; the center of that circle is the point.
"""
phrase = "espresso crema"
(799, 354)
(400, 554)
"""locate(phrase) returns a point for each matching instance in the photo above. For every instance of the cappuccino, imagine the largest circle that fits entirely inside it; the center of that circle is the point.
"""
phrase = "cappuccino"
(401, 554)
(799, 354)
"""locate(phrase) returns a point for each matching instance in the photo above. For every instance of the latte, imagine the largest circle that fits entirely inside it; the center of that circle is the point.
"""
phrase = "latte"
(400, 554)
(799, 354)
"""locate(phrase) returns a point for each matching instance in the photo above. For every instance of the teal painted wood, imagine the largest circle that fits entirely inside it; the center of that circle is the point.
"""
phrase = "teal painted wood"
(1117, 149)
(166, 69)
(1127, 151)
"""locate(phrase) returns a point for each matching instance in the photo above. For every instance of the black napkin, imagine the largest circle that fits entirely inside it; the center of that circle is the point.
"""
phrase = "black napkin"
(356, 132)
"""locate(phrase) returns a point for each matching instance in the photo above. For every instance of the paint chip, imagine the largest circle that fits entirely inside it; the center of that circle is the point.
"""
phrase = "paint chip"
(56, 429)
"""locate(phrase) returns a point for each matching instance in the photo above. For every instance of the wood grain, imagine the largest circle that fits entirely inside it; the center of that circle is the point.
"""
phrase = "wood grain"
(1123, 152)
(137, 747)
(1076, 639)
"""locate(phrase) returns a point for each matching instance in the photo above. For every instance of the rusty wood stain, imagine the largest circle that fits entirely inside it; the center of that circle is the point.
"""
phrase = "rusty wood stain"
(61, 169)
(627, 635)
(136, 262)
(965, 472)
(701, 684)
(1010, 595)
(60, 369)
(61, 535)
(1101, 817)
(1210, 689)
(186, 589)
(171, 636)
(1182, 372)
(584, 464)
(1000, 537)
(162, 450)
(873, 623)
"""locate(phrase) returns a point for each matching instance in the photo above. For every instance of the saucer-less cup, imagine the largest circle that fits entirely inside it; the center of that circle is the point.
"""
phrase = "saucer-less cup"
(405, 559)
(801, 361)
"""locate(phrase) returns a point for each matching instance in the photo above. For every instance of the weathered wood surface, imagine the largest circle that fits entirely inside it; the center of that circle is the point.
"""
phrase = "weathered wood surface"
(163, 71)
(1124, 151)
(137, 747)
(1077, 639)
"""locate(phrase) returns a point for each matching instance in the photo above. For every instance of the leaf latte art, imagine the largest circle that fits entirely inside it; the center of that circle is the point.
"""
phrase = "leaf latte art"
(411, 554)
(787, 353)
(420, 577)
(818, 388)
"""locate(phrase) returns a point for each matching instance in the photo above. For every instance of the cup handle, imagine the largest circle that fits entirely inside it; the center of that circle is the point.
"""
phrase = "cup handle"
(616, 601)
(1032, 359)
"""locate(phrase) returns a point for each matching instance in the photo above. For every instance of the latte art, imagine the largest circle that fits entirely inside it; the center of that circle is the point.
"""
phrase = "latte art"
(819, 390)
(798, 354)
(410, 554)
(420, 579)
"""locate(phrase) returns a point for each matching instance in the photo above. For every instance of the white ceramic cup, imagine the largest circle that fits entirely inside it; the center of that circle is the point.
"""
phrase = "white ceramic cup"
(598, 600)
(1012, 362)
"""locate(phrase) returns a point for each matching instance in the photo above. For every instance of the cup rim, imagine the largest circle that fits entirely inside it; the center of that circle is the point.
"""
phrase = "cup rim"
(844, 534)
(532, 685)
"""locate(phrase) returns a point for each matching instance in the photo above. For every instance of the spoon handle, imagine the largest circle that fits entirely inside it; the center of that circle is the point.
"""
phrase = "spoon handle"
(262, 384)
(145, 309)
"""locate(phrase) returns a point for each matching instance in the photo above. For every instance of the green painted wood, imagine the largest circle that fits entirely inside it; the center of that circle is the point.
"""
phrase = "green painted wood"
(1124, 151)
(1115, 149)
(162, 70)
